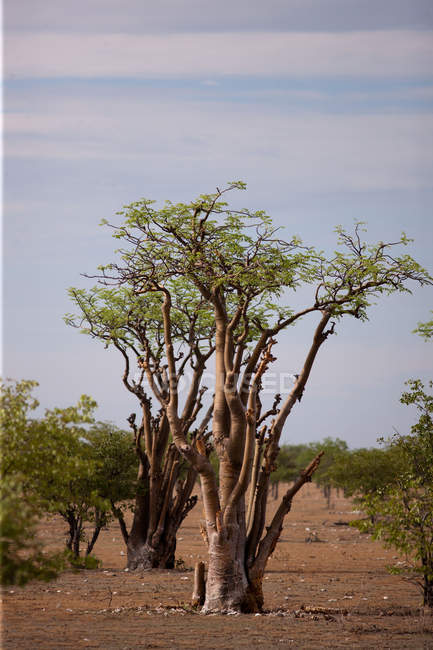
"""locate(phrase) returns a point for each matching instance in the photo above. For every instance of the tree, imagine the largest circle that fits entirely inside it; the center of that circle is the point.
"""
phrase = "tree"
(60, 463)
(287, 467)
(401, 512)
(21, 554)
(132, 324)
(243, 273)
(64, 475)
(364, 472)
(333, 450)
(115, 473)
(92, 476)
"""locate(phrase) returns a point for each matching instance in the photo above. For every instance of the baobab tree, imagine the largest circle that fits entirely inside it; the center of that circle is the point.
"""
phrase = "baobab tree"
(243, 272)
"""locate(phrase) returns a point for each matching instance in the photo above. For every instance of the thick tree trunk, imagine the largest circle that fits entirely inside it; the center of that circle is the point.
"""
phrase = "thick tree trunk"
(236, 570)
(143, 556)
(141, 553)
(227, 586)
(150, 548)
(227, 583)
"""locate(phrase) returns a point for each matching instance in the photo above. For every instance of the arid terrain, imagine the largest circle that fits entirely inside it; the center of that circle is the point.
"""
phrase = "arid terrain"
(344, 573)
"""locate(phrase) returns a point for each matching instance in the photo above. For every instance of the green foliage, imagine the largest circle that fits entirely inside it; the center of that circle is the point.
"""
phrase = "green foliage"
(99, 470)
(401, 513)
(62, 463)
(119, 316)
(45, 454)
(332, 448)
(16, 405)
(204, 246)
(116, 463)
(288, 465)
(89, 562)
(425, 329)
(366, 471)
(21, 555)
(176, 246)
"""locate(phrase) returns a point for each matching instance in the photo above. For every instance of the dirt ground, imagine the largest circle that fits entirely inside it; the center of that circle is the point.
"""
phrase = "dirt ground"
(114, 609)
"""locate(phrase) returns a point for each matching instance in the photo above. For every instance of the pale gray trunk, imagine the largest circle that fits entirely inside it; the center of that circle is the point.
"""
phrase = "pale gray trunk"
(227, 583)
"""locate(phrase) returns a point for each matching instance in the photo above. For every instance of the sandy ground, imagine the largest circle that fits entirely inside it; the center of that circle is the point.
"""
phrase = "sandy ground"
(111, 608)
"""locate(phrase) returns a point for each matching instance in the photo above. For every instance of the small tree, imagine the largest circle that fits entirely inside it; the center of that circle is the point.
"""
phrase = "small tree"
(402, 511)
(63, 476)
(364, 472)
(115, 475)
(243, 272)
(61, 465)
(333, 449)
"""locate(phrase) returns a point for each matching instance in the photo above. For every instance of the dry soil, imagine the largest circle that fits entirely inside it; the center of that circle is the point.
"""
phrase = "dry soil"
(332, 593)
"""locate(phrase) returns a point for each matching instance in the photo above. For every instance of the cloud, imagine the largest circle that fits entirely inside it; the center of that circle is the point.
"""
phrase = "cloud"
(136, 16)
(260, 54)
(301, 150)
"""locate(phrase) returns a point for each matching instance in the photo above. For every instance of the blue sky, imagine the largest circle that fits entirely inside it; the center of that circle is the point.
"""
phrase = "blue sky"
(325, 109)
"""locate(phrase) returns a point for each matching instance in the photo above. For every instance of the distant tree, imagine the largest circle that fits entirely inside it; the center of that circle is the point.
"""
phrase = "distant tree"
(401, 513)
(362, 472)
(287, 466)
(238, 273)
(333, 450)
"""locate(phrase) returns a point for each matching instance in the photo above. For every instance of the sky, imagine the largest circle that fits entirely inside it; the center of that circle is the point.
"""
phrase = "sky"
(323, 107)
